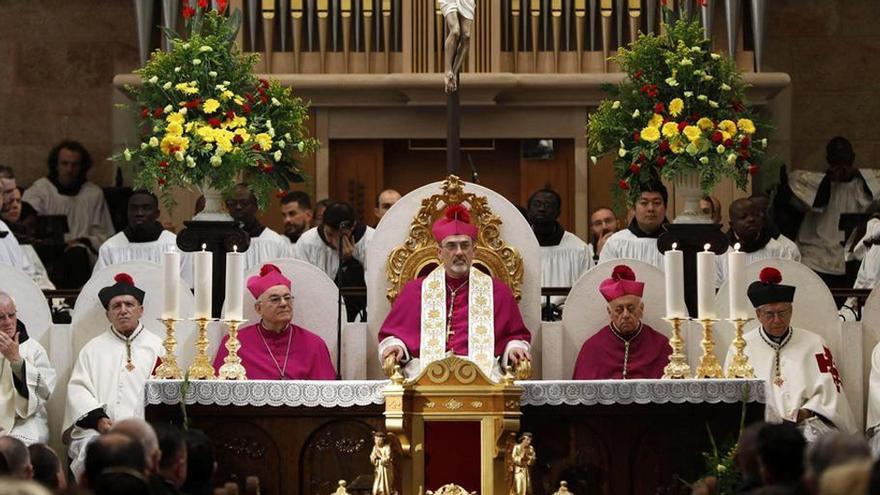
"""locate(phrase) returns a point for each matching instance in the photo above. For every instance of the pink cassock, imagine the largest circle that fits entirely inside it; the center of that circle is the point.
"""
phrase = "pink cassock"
(405, 319)
(601, 356)
(309, 358)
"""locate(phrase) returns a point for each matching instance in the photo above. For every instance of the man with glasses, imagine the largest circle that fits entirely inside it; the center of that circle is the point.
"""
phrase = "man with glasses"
(26, 379)
(803, 383)
(455, 310)
(626, 348)
(107, 382)
(275, 348)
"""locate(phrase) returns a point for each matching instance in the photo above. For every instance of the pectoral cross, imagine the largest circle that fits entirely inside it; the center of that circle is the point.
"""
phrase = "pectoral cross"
(826, 365)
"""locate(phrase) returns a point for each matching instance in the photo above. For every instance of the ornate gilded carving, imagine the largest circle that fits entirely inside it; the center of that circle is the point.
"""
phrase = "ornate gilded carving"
(329, 441)
(476, 404)
(419, 250)
(453, 370)
(450, 489)
(453, 404)
(240, 447)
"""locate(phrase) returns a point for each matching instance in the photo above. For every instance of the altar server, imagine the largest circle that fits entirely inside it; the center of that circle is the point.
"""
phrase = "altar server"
(13, 255)
(107, 382)
(803, 383)
(639, 240)
(276, 348)
(27, 378)
(266, 244)
(626, 348)
(455, 310)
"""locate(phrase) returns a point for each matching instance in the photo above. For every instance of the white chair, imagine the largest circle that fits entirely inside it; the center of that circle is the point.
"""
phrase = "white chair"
(870, 328)
(30, 303)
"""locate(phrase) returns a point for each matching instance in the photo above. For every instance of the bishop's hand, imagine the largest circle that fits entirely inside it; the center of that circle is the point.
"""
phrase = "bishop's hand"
(9, 347)
(395, 351)
(518, 354)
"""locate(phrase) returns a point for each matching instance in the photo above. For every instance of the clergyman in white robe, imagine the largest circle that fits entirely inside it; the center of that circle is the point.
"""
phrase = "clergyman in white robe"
(632, 243)
(118, 249)
(24, 389)
(13, 255)
(87, 213)
(268, 246)
(313, 249)
(872, 423)
(563, 264)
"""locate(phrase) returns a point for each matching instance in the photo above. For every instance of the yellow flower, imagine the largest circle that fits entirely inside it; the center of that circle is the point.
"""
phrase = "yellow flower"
(188, 88)
(264, 140)
(676, 145)
(692, 132)
(226, 94)
(650, 134)
(727, 126)
(676, 106)
(670, 129)
(211, 105)
(235, 122)
(171, 144)
(746, 125)
(206, 133)
(656, 121)
(705, 124)
(174, 129)
(241, 131)
(238, 100)
(175, 118)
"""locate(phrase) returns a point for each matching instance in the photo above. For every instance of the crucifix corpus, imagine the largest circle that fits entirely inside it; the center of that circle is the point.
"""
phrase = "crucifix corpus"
(459, 15)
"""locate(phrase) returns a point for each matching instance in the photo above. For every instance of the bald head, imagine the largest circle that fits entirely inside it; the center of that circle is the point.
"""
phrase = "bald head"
(141, 432)
(112, 450)
(18, 460)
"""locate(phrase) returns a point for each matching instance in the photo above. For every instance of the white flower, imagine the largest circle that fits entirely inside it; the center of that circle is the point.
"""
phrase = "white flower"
(616, 104)
(621, 152)
(280, 144)
(168, 109)
(698, 72)
(144, 146)
(216, 161)
(153, 80)
(731, 158)
(704, 160)
(220, 87)
(126, 154)
(688, 94)
(671, 82)
(764, 143)
(212, 73)
(636, 114)
(685, 62)
(696, 49)
(185, 46)
(226, 83)
(594, 159)
(276, 102)
(277, 156)
(190, 161)
(708, 77)
(206, 48)
(725, 87)
(182, 111)
(177, 69)
(271, 132)
(713, 104)
(268, 123)
(197, 61)
(720, 149)
(702, 97)
(156, 129)
(301, 146)
(287, 136)
(178, 155)
(715, 56)
(154, 141)
(166, 86)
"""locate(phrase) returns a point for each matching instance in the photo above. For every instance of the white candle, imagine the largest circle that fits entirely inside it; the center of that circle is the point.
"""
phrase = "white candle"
(706, 284)
(673, 267)
(171, 279)
(234, 284)
(204, 267)
(736, 264)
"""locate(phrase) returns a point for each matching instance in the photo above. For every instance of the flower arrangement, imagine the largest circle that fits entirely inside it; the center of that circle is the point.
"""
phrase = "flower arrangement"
(679, 111)
(206, 120)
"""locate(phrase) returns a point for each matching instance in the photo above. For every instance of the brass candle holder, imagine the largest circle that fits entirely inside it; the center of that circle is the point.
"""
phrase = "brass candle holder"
(201, 368)
(709, 366)
(232, 368)
(678, 367)
(740, 366)
(169, 369)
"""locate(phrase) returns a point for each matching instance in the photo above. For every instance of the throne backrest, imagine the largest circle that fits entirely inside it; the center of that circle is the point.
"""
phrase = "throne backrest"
(403, 248)
(30, 303)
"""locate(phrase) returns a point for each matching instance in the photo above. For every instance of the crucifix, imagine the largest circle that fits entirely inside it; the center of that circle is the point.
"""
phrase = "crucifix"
(459, 16)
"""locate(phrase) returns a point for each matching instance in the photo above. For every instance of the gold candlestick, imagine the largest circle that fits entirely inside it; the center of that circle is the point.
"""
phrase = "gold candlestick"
(740, 367)
(678, 367)
(232, 368)
(201, 368)
(169, 369)
(709, 366)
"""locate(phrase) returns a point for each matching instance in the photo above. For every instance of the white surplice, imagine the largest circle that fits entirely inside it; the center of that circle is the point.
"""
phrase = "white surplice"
(819, 238)
(87, 213)
(268, 246)
(563, 264)
(118, 249)
(312, 249)
(100, 380)
(623, 244)
(808, 378)
(12, 254)
(773, 249)
(872, 424)
(25, 417)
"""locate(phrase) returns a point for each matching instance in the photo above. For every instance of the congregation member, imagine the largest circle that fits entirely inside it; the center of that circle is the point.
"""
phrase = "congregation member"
(824, 197)
(603, 223)
(275, 348)
(803, 383)
(115, 460)
(781, 450)
(748, 229)
(67, 191)
(17, 457)
(639, 240)
(200, 463)
(564, 256)
(108, 379)
(833, 449)
(23, 228)
(27, 379)
(710, 207)
(145, 435)
(172, 463)
(144, 239)
(455, 310)
(384, 201)
(626, 348)
(296, 213)
(266, 244)
(48, 470)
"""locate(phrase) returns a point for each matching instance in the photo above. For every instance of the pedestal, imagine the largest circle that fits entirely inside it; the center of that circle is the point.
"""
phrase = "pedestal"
(219, 238)
(690, 238)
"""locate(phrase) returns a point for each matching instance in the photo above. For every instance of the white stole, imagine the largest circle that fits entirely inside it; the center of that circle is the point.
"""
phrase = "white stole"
(7, 397)
(481, 319)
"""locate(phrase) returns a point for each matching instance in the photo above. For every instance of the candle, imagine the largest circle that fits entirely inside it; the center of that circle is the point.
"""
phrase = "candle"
(171, 279)
(706, 284)
(204, 267)
(736, 264)
(234, 284)
(673, 267)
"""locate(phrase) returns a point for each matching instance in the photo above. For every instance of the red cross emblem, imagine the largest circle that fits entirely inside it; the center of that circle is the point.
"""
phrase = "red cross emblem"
(826, 365)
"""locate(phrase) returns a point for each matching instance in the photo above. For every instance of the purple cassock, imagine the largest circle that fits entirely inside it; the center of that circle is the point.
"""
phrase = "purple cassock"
(405, 319)
(603, 355)
(292, 354)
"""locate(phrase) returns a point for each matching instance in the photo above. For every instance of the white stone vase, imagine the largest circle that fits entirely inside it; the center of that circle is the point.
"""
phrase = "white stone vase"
(687, 187)
(215, 210)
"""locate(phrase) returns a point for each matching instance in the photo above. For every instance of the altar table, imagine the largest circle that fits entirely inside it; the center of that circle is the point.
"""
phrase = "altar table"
(610, 437)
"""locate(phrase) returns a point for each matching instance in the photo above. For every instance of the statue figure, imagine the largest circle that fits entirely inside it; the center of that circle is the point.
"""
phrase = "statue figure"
(343, 489)
(382, 458)
(563, 489)
(459, 15)
(521, 458)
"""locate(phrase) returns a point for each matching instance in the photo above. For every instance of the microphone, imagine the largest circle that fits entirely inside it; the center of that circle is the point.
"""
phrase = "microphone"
(475, 177)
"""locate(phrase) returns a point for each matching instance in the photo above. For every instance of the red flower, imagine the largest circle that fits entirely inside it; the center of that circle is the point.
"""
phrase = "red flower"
(728, 143)
(663, 3)
(753, 170)
(161, 181)
(264, 83)
(249, 97)
(264, 99)
(636, 136)
(744, 154)
(737, 106)
(221, 5)
(237, 139)
(203, 4)
(661, 162)
(268, 168)
(173, 149)
(246, 108)
(623, 184)
(659, 108)
(214, 122)
(163, 164)
(230, 115)
(682, 125)
(188, 12)
(145, 112)
(642, 157)
(280, 193)
(703, 3)
(649, 89)
(157, 112)
(256, 147)
(664, 146)
(746, 142)
(634, 168)
(717, 137)
(193, 103)
(638, 74)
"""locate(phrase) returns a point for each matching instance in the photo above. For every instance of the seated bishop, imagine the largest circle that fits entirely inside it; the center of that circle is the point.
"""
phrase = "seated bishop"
(803, 383)
(455, 310)
(26, 379)
(275, 348)
(626, 348)
(108, 379)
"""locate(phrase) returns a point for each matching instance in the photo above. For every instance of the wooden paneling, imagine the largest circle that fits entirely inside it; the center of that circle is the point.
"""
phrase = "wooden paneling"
(356, 174)
(558, 173)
